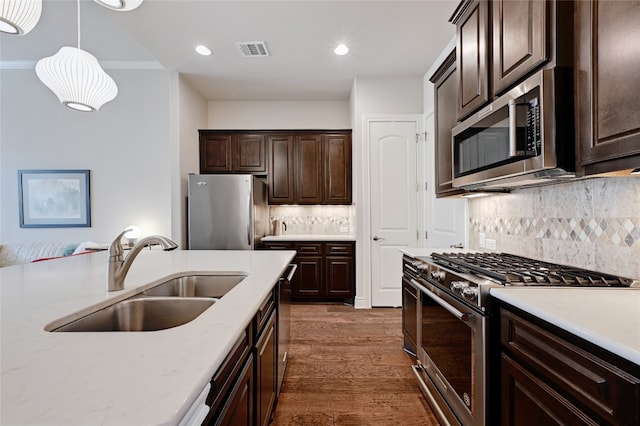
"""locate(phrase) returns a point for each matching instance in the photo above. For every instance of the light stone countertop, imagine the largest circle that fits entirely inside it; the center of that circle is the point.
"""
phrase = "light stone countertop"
(117, 378)
(308, 237)
(607, 317)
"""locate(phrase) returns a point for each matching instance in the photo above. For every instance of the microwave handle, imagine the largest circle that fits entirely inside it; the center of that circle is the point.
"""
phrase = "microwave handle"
(513, 143)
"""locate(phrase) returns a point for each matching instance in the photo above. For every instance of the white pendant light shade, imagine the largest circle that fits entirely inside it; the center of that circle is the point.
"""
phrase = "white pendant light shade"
(19, 16)
(77, 79)
(120, 5)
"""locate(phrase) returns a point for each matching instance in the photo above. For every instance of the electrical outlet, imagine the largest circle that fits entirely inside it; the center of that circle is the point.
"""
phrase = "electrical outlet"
(491, 244)
(481, 243)
(344, 229)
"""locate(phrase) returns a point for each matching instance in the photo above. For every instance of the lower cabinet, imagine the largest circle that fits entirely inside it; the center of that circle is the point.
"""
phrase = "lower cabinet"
(244, 389)
(326, 270)
(550, 377)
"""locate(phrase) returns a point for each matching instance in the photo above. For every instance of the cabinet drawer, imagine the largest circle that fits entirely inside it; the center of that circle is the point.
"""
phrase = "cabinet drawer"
(309, 248)
(334, 249)
(608, 392)
(279, 246)
(263, 312)
(226, 374)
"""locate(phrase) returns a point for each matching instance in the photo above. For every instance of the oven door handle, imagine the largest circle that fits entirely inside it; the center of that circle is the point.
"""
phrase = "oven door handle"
(452, 310)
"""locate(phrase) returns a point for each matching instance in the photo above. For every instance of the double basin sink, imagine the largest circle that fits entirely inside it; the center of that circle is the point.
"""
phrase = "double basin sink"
(168, 304)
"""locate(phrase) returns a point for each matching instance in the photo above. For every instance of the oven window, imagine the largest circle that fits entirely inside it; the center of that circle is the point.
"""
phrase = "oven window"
(449, 343)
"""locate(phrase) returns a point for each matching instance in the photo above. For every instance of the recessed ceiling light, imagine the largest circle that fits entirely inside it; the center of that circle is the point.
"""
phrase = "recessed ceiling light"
(341, 49)
(203, 50)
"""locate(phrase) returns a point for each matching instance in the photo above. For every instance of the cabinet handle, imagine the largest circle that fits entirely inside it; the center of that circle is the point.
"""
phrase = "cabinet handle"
(294, 267)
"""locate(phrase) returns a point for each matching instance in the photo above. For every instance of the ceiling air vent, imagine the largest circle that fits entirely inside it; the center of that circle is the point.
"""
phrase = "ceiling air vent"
(253, 48)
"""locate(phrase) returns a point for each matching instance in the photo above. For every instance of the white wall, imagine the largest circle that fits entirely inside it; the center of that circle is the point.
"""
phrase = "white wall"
(279, 115)
(126, 145)
(191, 116)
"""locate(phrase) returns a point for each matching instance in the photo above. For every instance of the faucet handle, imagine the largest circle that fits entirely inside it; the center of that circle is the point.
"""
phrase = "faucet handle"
(115, 249)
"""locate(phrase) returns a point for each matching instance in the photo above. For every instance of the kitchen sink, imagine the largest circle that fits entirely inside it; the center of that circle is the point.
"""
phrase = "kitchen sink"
(215, 285)
(141, 314)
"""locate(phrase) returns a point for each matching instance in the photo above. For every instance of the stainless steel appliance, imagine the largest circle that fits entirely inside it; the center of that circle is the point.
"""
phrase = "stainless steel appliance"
(226, 212)
(524, 137)
(455, 323)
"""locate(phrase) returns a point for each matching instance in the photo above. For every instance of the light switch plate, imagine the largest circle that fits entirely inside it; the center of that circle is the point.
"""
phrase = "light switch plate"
(344, 229)
(491, 244)
(481, 243)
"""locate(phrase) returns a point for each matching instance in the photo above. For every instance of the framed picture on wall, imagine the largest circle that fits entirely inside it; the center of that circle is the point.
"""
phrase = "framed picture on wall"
(54, 198)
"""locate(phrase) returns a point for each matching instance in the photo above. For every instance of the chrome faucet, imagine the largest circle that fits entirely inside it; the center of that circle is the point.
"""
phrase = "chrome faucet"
(118, 268)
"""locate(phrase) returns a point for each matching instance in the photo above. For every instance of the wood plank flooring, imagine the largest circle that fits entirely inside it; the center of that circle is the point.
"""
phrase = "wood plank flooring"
(347, 367)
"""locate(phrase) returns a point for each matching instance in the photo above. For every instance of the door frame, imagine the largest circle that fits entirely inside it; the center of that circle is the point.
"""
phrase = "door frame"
(363, 275)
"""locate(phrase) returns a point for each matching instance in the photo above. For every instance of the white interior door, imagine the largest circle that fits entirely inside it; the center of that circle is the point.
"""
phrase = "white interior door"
(393, 197)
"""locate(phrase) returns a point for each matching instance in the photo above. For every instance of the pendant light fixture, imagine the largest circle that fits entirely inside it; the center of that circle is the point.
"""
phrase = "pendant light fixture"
(120, 5)
(18, 17)
(76, 78)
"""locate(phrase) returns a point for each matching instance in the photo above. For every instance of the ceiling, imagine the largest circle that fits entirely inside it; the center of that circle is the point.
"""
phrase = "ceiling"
(386, 39)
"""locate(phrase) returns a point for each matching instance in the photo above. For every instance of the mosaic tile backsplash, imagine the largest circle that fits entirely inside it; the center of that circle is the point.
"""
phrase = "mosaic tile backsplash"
(315, 220)
(592, 223)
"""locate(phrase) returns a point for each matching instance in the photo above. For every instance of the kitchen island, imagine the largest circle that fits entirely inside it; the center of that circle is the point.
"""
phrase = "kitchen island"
(121, 378)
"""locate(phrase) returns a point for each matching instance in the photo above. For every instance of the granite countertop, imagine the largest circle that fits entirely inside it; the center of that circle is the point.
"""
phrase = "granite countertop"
(309, 237)
(117, 378)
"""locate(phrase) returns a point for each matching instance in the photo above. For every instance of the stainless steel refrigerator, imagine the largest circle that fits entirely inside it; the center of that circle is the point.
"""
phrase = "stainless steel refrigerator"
(226, 212)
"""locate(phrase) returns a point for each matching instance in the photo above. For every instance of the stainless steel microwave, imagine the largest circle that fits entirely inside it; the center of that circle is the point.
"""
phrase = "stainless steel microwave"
(524, 137)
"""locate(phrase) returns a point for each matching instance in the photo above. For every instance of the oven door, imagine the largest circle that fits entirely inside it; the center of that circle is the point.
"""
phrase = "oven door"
(452, 353)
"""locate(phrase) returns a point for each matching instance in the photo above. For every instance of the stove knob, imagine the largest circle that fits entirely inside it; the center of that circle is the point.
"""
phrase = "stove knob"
(459, 286)
(470, 293)
(437, 275)
(422, 267)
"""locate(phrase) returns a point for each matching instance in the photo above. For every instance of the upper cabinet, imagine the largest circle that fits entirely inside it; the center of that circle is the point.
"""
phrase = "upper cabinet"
(310, 168)
(471, 19)
(445, 94)
(607, 85)
(519, 40)
(502, 42)
(231, 152)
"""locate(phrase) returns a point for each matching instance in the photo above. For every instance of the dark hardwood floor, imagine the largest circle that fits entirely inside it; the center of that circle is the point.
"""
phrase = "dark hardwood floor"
(347, 367)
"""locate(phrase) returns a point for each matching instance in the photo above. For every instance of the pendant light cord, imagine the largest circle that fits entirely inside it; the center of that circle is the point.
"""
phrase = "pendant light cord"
(78, 24)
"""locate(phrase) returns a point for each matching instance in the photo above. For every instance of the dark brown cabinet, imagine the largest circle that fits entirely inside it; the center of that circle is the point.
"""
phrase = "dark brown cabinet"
(519, 40)
(232, 152)
(266, 355)
(310, 168)
(238, 411)
(326, 270)
(445, 94)
(607, 85)
(550, 377)
(281, 169)
(471, 19)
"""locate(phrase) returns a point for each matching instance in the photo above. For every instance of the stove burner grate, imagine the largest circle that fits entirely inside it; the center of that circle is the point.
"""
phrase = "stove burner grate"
(510, 269)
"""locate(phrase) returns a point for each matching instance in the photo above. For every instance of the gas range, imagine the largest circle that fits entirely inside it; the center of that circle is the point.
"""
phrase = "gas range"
(470, 275)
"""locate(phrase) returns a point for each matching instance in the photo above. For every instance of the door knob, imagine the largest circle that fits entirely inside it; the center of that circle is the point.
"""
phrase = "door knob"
(376, 238)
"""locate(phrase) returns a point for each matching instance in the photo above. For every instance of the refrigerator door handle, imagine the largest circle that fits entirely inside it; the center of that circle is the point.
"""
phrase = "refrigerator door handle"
(250, 219)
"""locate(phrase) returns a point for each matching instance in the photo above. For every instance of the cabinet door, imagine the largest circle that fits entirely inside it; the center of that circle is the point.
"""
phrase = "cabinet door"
(337, 169)
(249, 154)
(309, 173)
(519, 40)
(527, 401)
(281, 171)
(308, 282)
(607, 85)
(472, 38)
(339, 277)
(445, 93)
(266, 356)
(215, 153)
(238, 411)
